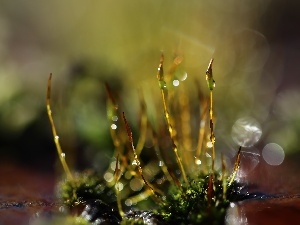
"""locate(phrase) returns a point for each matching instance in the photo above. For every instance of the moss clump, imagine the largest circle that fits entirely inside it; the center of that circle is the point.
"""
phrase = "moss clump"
(202, 201)
(85, 186)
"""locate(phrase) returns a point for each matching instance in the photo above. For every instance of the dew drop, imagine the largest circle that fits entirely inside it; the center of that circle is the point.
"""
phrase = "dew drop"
(56, 137)
(62, 209)
(115, 118)
(198, 161)
(160, 163)
(184, 76)
(63, 155)
(160, 181)
(113, 126)
(135, 163)
(162, 84)
(209, 144)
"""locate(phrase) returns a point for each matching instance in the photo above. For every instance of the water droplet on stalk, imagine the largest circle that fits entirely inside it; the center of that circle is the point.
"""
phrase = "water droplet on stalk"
(113, 126)
(209, 144)
(198, 161)
(162, 84)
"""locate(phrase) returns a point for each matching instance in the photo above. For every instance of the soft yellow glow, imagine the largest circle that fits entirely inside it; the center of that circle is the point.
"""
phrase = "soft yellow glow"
(119, 186)
(136, 184)
(108, 177)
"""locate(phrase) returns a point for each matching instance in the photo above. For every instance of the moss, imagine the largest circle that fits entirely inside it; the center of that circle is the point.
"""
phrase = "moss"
(83, 187)
(199, 200)
(193, 205)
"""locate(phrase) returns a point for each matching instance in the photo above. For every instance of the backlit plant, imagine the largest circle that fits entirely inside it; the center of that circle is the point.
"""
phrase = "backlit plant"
(139, 190)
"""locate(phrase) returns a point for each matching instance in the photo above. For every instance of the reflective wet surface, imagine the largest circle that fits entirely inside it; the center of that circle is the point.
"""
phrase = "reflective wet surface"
(24, 193)
(274, 193)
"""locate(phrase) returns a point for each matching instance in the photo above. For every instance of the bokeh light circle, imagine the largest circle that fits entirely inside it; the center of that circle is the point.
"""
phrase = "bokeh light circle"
(273, 154)
(246, 132)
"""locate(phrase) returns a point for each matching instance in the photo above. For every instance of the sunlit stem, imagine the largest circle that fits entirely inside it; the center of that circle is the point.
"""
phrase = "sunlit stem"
(212, 136)
(211, 84)
(236, 167)
(117, 177)
(119, 201)
(163, 88)
(61, 155)
(140, 170)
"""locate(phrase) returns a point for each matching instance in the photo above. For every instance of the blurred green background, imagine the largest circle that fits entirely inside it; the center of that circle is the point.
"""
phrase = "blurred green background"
(255, 44)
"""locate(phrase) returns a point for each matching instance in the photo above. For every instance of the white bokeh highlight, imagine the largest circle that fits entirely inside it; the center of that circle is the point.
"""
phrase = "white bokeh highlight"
(246, 132)
(273, 154)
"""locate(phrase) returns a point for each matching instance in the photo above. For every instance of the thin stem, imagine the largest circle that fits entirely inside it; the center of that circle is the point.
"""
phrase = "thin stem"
(129, 133)
(212, 135)
(236, 167)
(211, 84)
(60, 153)
(162, 83)
(117, 177)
